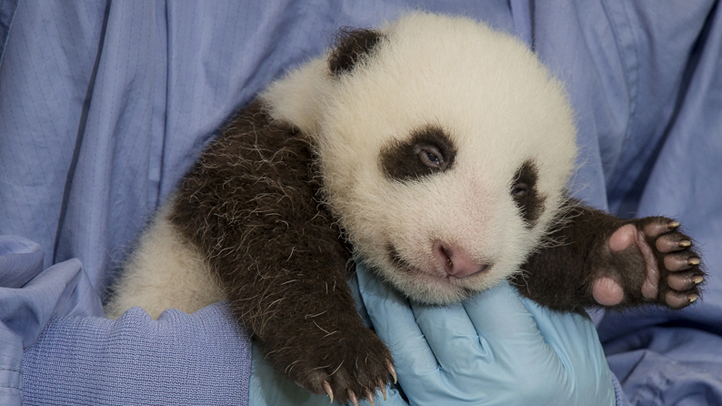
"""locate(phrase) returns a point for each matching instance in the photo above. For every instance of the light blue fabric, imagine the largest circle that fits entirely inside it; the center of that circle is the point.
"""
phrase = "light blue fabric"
(137, 360)
(105, 104)
(29, 298)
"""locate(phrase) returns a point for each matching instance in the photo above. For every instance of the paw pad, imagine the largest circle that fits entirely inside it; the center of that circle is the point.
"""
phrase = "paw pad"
(673, 266)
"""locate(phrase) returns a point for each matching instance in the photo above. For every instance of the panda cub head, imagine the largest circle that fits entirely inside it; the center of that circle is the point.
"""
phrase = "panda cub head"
(444, 148)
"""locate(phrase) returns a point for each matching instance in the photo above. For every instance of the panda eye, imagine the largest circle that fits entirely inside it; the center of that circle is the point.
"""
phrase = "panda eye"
(519, 191)
(430, 156)
(427, 151)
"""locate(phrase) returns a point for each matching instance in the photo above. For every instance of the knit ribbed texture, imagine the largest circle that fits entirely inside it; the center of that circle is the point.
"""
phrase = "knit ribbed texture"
(179, 359)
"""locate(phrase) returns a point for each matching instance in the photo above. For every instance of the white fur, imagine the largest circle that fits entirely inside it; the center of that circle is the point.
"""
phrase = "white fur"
(494, 98)
(298, 97)
(501, 107)
(164, 272)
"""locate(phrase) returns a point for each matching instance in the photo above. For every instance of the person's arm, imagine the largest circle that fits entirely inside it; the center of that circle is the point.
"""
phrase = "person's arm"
(201, 358)
(56, 347)
(28, 299)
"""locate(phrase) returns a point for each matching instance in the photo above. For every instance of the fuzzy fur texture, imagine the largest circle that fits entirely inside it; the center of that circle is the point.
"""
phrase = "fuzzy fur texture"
(324, 162)
(491, 95)
(180, 277)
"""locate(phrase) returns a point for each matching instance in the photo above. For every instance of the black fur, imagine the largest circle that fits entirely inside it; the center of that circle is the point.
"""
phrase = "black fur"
(525, 193)
(251, 205)
(560, 275)
(352, 45)
(408, 159)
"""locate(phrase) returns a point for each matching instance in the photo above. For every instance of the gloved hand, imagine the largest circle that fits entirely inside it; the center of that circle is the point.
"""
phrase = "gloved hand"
(494, 349)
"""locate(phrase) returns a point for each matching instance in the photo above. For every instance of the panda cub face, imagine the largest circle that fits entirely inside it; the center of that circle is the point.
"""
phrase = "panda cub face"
(444, 149)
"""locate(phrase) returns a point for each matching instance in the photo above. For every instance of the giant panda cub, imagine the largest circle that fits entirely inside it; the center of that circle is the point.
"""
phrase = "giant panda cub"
(435, 149)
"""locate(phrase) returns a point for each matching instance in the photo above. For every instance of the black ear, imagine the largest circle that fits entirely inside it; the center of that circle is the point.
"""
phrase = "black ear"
(352, 45)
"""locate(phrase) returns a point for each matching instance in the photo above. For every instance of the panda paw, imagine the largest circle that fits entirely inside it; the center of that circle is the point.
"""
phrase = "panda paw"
(650, 260)
(354, 368)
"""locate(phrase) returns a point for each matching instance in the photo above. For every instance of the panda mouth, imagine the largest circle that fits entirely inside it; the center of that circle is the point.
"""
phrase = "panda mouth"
(398, 261)
(404, 266)
(434, 287)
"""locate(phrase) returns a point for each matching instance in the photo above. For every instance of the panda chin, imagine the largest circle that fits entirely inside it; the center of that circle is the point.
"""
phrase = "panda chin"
(433, 288)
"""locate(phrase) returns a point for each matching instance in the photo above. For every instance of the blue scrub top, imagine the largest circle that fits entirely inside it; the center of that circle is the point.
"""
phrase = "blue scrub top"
(104, 105)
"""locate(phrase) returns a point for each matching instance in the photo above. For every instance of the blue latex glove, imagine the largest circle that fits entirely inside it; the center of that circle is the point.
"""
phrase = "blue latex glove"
(495, 349)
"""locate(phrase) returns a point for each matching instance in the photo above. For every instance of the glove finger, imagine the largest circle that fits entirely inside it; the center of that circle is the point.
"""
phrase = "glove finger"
(499, 314)
(395, 324)
(572, 336)
(575, 340)
(452, 337)
(508, 330)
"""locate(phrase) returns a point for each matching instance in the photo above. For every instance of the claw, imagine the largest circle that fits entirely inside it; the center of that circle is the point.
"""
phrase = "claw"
(370, 397)
(392, 371)
(328, 390)
(692, 297)
(697, 279)
(673, 224)
(352, 397)
(685, 243)
(693, 261)
(383, 389)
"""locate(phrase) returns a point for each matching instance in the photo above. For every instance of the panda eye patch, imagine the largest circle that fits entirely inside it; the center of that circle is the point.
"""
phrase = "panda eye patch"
(427, 151)
(525, 194)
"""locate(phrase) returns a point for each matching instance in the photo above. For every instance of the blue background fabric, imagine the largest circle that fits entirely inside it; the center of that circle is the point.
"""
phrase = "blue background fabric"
(104, 105)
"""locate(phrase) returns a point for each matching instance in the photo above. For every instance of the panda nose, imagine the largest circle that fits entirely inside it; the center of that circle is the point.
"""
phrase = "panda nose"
(456, 262)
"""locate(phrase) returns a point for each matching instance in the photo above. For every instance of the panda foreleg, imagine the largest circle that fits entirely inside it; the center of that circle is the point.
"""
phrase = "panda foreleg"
(251, 204)
(595, 259)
